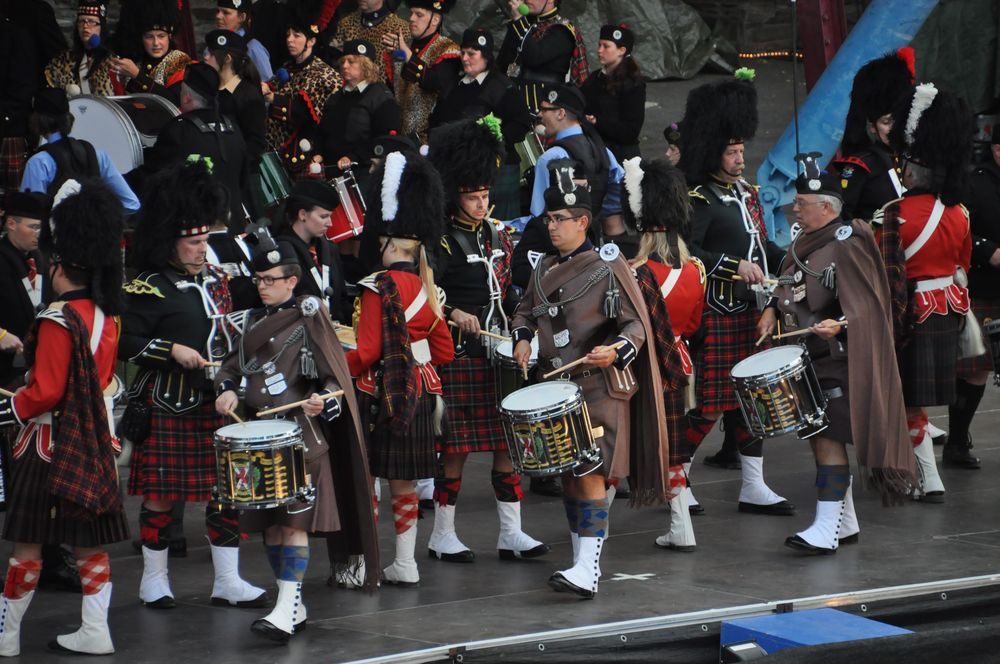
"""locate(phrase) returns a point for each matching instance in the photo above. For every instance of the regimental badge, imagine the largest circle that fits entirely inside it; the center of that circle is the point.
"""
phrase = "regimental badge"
(561, 339)
(309, 306)
(553, 96)
(797, 276)
(362, 49)
(570, 198)
(844, 232)
(843, 183)
(617, 34)
(610, 252)
(798, 293)
(481, 40)
(847, 172)
(142, 287)
(553, 312)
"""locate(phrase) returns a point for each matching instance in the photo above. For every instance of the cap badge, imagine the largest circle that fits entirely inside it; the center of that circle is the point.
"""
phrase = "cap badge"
(482, 40)
(570, 198)
(553, 96)
(273, 257)
(610, 252)
(617, 34)
(815, 185)
(237, 3)
(221, 40)
(362, 49)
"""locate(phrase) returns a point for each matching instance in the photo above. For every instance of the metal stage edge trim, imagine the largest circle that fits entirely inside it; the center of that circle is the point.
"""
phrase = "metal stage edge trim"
(692, 618)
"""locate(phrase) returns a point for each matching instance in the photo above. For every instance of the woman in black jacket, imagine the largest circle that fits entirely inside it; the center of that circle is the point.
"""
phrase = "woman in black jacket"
(616, 93)
(240, 96)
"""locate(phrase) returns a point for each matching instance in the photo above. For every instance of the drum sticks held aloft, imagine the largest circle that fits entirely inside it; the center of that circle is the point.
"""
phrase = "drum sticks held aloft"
(580, 360)
(498, 337)
(5, 393)
(296, 404)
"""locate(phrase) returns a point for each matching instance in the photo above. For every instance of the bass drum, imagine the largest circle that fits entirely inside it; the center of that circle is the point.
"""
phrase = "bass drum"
(121, 126)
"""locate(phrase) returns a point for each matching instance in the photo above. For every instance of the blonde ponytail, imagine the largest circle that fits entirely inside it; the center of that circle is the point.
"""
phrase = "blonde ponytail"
(656, 243)
(415, 250)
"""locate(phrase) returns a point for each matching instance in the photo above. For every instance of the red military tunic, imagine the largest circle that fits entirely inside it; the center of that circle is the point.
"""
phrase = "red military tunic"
(683, 289)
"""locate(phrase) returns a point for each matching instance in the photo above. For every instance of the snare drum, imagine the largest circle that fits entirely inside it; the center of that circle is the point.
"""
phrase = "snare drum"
(260, 465)
(548, 429)
(276, 185)
(509, 376)
(779, 393)
(121, 126)
(991, 330)
(349, 217)
(529, 150)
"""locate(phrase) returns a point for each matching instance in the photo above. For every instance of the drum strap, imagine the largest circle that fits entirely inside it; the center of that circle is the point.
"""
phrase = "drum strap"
(932, 223)
(670, 282)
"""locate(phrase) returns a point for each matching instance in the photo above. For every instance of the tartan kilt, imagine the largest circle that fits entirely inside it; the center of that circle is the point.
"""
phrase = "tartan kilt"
(177, 459)
(474, 423)
(13, 158)
(410, 457)
(928, 362)
(985, 311)
(35, 516)
(676, 420)
(725, 341)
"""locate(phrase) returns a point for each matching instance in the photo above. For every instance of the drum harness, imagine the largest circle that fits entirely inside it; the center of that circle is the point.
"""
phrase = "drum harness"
(219, 341)
(763, 292)
(495, 308)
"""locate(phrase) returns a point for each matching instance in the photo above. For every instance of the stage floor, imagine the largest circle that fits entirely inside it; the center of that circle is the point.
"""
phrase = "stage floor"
(740, 560)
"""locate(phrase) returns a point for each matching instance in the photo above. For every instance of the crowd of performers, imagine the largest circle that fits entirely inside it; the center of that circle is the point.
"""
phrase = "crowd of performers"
(633, 295)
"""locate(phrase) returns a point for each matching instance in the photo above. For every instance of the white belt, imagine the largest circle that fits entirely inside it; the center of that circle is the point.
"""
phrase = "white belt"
(925, 285)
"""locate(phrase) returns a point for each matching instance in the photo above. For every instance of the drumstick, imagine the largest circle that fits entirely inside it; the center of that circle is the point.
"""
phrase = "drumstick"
(5, 393)
(767, 280)
(498, 337)
(580, 360)
(213, 364)
(806, 330)
(524, 372)
(761, 340)
(296, 404)
(232, 414)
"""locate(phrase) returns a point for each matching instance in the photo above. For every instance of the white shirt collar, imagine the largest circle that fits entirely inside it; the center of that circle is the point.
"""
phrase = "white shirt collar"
(360, 87)
(478, 79)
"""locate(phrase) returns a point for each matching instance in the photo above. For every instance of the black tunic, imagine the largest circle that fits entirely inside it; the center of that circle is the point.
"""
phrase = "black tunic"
(311, 282)
(182, 137)
(230, 257)
(496, 94)
(17, 313)
(536, 61)
(620, 115)
(534, 240)
(984, 214)
(866, 182)
(245, 106)
(353, 119)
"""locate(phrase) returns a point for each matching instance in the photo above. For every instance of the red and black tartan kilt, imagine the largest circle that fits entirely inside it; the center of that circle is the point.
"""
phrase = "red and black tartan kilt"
(474, 423)
(985, 310)
(409, 457)
(177, 459)
(726, 340)
(13, 157)
(928, 363)
(35, 516)
(673, 403)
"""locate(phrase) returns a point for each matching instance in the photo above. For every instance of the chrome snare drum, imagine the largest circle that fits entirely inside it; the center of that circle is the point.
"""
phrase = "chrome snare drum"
(509, 376)
(548, 429)
(779, 393)
(260, 465)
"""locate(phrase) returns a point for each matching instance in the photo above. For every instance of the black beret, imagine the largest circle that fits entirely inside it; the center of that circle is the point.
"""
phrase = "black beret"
(620, 35)
(240, 5)
(478, 39)
(226, 39)
(28, 204)
(203, 79)
(440, 6)
(567, 97)
(556, 199)
(392, 142)
(317, 193)
(361, 47)
(282, 254)
(825, 184)
(51, 101)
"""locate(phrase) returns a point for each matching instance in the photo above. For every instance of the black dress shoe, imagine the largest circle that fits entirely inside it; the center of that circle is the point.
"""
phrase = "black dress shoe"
(536, 552)
(696, 510)
(260, 602)
(460, 557)
(546, 486)
(956, 455)
(933, 497)
(799, 544)
(262, 627)
(725, 461)
(165, 602)
(784, 508)
(850, 539)
(561, 584)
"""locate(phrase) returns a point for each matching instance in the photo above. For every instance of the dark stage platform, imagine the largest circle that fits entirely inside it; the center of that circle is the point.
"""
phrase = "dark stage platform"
(740, 561)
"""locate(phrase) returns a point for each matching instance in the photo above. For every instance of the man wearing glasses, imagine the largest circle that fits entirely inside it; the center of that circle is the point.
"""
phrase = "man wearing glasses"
(582, 302)
(832, 275)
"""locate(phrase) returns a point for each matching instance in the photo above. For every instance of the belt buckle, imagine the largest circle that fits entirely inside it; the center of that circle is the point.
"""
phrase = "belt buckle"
(587, 373)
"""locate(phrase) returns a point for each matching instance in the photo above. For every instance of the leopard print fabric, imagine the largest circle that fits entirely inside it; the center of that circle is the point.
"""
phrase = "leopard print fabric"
(352, 28)
(318, 80)
(62, 72)
(415, 103)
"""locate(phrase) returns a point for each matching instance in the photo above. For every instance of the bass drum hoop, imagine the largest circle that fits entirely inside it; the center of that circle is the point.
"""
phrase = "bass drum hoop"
(99, 141)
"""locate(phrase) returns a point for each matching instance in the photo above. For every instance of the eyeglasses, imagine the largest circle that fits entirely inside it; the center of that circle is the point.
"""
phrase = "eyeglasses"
(267, 281)
(88, 23)
(801, 203)
(549, 219)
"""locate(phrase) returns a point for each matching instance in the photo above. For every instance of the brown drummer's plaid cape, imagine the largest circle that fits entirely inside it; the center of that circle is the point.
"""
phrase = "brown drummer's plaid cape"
(399, 380)
(83, 469)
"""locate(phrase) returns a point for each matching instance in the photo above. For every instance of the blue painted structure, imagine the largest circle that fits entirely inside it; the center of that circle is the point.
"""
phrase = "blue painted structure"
(885, 26)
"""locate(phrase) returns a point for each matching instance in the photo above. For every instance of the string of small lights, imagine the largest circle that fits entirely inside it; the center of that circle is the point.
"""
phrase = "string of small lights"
(770, 54)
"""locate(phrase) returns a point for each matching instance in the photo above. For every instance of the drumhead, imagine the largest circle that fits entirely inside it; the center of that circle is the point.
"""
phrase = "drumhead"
(767, 361)
(102, 123)
(505, 351)
(540, 396)
(258, 431)
(149, 114)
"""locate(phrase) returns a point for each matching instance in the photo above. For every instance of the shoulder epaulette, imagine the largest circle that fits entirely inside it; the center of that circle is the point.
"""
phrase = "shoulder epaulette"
(694, 193)
(445, 244)
(369, 281)
(140, 286)
(879, 214)
(702, 275)
(54, 313)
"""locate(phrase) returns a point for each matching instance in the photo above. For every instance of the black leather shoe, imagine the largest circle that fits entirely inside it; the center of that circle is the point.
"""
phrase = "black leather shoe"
(460, 557)
(262, 601)
(561, 584)
(720, 460)
(799, 544)
(262, 627)
(536, 552)
(696, 510)
(546, 486)
(850, 539)
(955, 455)
(165, 602)
(933, 497)
(58, 573)
(784, 508)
